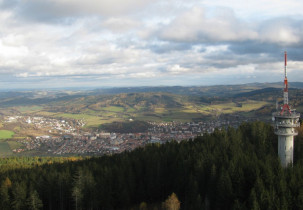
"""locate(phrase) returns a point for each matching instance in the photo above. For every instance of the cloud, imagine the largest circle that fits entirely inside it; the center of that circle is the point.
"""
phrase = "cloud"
(146, 42)
(177, 69)
(195, 26)
(120, 25)
(54, 10)
(282, 31)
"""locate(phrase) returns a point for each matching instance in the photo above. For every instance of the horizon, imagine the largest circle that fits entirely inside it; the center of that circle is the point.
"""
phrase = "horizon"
(94, 88)
(68, 43)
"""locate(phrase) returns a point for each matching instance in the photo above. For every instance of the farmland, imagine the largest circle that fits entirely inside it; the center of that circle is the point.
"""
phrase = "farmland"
(95, 109)
(178, 104)
(6, 134)
(163, 107)
(5, 150)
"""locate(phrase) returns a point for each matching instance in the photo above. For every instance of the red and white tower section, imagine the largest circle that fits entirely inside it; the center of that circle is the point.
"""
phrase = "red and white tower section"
(286, 120)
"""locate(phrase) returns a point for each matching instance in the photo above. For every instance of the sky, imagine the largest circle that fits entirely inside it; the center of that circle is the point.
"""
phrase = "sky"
(114, 43)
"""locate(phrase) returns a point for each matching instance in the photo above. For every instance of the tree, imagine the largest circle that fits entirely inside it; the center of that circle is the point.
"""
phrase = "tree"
(253, 202)
(143, 206)
(33, 201)
(172, 202)
(83, 190)
(224, 192)
(19, 195)
(4, 194)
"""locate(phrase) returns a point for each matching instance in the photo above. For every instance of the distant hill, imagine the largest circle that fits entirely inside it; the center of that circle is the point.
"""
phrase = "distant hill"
(215, 90)
(259, 92)
(39, 97)
(167, 104)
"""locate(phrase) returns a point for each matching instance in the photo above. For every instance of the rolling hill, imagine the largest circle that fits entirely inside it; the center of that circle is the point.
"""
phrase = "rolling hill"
(184, 104)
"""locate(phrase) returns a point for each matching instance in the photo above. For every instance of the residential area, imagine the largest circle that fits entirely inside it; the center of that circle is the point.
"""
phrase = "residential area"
(65, 137)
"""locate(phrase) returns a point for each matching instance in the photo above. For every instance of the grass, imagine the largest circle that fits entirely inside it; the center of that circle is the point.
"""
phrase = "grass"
(14, 145)
(96, 114)
(91, 120)
(114, 109)
(130, 109)
(160, 110)
(45, 113)
(6, 134)
(107, 114)
(29, 108)
(5, 150)
(231, 107)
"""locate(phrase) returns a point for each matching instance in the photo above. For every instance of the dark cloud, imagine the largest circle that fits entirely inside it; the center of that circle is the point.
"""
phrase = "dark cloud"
(168, 47)
(8, 4)
(253, 47)
(45, 11)
(265, 52)
(66, 11)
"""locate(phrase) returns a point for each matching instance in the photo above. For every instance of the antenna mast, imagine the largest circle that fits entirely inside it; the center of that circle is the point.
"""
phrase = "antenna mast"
(285, 93)
(285, 80)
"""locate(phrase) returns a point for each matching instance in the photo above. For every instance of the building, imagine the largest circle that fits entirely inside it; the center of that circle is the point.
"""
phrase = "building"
(286, 120)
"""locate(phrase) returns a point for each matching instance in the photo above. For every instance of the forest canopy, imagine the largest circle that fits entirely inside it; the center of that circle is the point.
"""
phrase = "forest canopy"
(228, 169)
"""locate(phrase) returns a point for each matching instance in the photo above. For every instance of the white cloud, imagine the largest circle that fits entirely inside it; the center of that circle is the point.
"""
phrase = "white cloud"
(280, 32)
(50, 10)
(177, 69)
(120, 25)
(147, 41)
(259, 9)
(194, 25)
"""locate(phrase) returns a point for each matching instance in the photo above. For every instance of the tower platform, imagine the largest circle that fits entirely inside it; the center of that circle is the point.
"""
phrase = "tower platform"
(285, 124)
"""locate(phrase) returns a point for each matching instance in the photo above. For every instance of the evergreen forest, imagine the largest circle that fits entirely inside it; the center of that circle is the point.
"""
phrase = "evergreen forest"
(228, 169)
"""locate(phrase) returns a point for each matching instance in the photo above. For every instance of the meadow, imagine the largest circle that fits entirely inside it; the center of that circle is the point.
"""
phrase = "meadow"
(146, 107)
(5, 150)
(6, 134)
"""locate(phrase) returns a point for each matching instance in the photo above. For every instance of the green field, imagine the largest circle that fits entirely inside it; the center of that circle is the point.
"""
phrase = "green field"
(185, 113)
(5, 134)
(96, 110)
(29, 108)
(5, 149)
(14, 144)
(114, 109)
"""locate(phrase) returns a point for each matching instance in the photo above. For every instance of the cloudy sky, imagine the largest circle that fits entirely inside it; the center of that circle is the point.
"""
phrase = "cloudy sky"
(97, 43)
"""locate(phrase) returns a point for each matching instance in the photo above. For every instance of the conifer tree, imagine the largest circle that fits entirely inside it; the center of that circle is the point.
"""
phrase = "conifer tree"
(33, 201)
(172, 202)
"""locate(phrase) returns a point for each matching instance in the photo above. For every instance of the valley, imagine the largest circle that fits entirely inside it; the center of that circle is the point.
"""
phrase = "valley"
(57, 113)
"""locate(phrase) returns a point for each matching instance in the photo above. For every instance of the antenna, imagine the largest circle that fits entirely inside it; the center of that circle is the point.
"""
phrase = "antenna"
(285, 123)
(285, 64)
(285, 92)
(285, 80)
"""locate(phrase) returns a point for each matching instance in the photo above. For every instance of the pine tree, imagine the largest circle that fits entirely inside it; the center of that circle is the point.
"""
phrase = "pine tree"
(4, 194)
(33, 201)
(172, 202)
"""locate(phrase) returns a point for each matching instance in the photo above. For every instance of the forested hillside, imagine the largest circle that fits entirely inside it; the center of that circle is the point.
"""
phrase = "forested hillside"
(233, 169)
(158, 104)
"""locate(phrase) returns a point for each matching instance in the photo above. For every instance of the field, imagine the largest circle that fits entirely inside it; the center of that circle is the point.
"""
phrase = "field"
(14, 144)
(5, 150)
(228, 108)
(29, 109)
(97, 109)
(5, 134)
(196, 103)
(147, 107)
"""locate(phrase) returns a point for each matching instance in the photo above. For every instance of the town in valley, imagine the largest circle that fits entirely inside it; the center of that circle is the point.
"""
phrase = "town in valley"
(66, 137)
